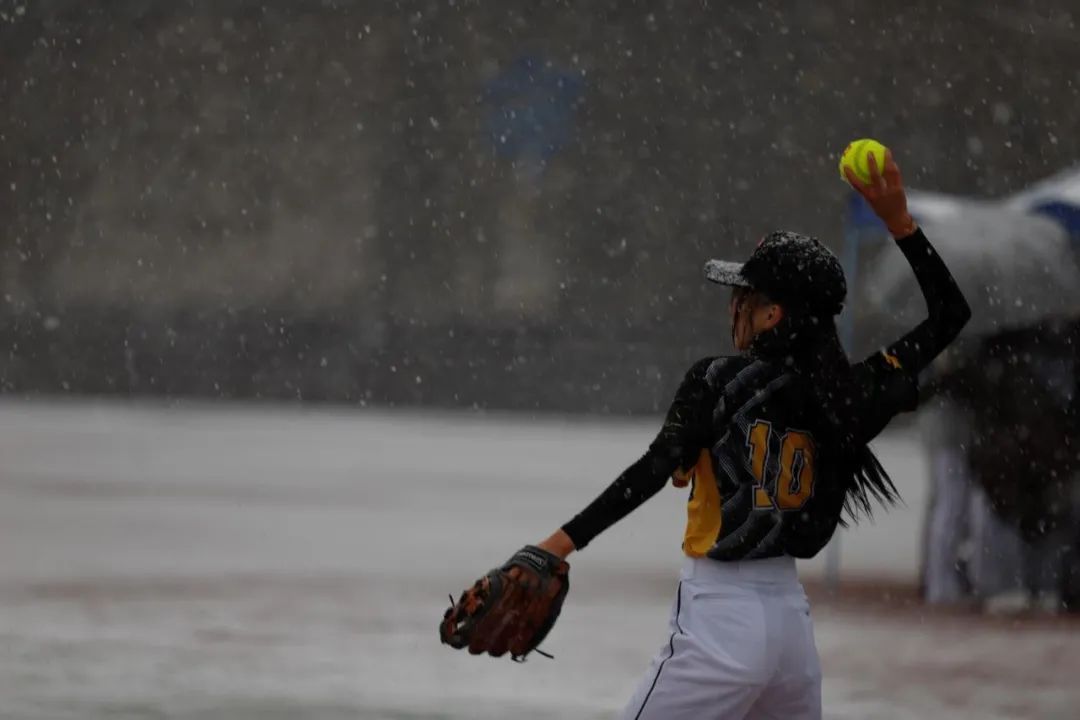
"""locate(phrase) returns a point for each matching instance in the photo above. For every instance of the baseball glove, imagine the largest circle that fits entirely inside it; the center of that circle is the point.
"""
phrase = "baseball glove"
(511, 609)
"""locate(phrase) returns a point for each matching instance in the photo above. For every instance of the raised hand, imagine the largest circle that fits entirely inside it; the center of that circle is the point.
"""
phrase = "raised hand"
(885, 195)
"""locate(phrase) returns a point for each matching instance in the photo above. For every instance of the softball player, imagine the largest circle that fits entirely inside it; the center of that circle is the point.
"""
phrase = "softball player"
(773, 443)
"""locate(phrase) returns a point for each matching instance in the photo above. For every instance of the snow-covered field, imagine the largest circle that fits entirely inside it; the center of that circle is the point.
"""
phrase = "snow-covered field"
(210, 561)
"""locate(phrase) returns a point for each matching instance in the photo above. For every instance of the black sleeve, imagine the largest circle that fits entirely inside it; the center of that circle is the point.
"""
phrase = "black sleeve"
(887, 382)
(685, 431)
(948, 310)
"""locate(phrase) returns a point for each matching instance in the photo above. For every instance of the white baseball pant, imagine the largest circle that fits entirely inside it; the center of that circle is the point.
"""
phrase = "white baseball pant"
(741, 646)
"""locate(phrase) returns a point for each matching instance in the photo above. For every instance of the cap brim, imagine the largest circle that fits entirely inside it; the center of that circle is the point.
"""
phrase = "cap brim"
(725, 272)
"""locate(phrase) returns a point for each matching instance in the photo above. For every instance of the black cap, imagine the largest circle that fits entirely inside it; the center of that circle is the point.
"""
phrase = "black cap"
(792, 269)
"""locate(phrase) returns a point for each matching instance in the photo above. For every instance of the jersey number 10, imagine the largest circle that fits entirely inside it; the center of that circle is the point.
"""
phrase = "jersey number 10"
(795, 478)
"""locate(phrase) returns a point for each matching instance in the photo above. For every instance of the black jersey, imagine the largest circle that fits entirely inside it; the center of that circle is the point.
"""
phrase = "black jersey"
(767, 464)
(773, 481)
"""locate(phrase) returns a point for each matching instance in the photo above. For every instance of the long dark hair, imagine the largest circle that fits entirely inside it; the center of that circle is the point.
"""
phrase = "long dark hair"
(815, 353)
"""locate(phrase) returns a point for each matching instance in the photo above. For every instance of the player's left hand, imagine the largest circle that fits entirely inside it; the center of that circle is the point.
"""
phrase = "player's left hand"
(885, 195)
(681, 478)
(512, 608)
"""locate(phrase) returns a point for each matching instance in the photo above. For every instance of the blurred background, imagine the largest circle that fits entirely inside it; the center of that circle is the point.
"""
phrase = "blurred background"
(502, 205)
(379, 218)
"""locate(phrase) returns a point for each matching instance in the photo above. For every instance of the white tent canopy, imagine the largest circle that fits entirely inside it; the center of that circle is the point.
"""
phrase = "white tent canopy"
(1015, 262)
(1062, 187)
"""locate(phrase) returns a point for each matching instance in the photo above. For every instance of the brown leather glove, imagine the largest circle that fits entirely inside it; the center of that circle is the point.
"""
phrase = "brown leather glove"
(885, 195)
(512, 608)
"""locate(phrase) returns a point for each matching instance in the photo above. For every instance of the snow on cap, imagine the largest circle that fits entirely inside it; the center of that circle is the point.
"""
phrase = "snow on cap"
(793, 269)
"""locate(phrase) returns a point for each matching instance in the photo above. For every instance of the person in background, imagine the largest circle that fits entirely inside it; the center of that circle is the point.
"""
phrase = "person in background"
(1004, 438)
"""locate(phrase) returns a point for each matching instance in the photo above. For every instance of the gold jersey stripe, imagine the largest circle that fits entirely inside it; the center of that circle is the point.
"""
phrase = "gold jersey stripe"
(703, 516)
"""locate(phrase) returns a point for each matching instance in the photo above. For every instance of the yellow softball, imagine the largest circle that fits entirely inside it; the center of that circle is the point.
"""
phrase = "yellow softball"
(855, 157)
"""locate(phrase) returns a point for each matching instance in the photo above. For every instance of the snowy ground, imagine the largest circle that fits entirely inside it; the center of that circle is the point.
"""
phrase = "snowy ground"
(259, 562)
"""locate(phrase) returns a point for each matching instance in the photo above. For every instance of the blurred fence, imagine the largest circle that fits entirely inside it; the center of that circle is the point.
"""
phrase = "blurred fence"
(463, 203)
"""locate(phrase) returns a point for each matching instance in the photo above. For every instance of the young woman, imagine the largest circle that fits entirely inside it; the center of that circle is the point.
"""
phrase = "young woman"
(773, 443)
